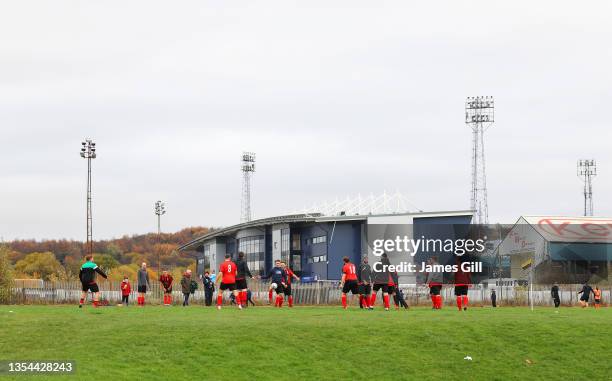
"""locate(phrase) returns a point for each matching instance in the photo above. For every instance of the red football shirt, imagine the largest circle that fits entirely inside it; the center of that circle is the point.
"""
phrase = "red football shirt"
(349, 270)
(462, 278)
(228, 270)
(289, 275)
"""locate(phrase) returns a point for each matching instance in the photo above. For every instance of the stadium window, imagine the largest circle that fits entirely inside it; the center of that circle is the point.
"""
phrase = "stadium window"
(285, 245)
(295, 244)
(319, 239)
(253, 249)
(296, 262)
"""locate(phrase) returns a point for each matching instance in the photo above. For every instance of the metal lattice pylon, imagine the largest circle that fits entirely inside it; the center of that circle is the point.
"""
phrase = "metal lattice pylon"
(586, 170)
(247, 167)
(479, 115)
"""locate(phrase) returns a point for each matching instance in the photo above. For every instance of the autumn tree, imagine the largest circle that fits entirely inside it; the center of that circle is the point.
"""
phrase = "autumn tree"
(6, 275)
(39, 265)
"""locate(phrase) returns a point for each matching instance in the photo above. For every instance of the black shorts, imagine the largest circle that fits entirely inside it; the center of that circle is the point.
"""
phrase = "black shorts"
(227, 286)
(241, 284)
(391, 289)
(435, 290)
(461, 290)
(142, 289)
(93, 287)
(597, 301)
(584, 298)
(168, 291)
(380, 286)
(352, 286)
(365, 289)
(287, 290)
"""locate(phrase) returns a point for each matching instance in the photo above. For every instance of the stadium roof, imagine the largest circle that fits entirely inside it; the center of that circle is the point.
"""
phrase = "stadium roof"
(311, 217)
(570, 229)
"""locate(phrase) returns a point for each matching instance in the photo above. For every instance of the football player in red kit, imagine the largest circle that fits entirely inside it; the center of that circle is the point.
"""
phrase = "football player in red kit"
(349, 280)
(290, 274)
(462, 282)
(228, 271)
(435, 279)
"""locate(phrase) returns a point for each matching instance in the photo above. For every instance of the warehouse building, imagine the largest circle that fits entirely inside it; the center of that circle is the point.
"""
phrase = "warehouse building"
(313, 244)
(554, 249)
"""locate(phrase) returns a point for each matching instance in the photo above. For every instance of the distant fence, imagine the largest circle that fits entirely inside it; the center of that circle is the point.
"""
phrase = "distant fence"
(316, 293)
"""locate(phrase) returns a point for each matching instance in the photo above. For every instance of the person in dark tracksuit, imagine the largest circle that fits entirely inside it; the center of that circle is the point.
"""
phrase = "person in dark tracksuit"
(209, 288)
(554, 293)
(186, 287)
(399, 298)
(493, 298)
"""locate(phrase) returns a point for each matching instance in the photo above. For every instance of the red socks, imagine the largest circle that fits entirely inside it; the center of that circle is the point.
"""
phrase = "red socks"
(434, 301)
(459, 302)
(95, 303)
(344, 301)
(465, 301)
(290, 301)
(386, 300)
(373, 300)
(366, 301)
(279, 301)
(81, 301)
(439, 301)
(219, 299)
(270, 296)
(140, 300)
(167, 299)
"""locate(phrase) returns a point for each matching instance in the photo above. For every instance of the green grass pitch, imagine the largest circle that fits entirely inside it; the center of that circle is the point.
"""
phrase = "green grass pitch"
(311, 343)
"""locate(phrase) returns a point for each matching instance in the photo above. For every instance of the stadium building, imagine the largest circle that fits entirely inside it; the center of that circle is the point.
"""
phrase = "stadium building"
(313, 244)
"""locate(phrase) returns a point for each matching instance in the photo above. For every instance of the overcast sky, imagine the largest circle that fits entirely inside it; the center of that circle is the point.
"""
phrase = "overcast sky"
(335, 97)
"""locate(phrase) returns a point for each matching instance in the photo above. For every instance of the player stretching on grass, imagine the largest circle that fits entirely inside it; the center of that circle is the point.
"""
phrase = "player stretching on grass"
(365, 284)
(87, 275)
(290, 274)
(228, 271)
(434, 281)
(381, 282)
(349, 280)
(462, 282)
(278, 276)
(241, 283)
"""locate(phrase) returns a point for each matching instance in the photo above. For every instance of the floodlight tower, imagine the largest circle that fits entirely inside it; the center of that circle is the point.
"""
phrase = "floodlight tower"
(587, 169)
(479, 116)
(88, 151)
(160, 210)
(247, 166)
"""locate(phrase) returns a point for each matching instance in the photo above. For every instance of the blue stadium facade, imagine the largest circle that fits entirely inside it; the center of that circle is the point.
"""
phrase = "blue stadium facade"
(312, 244)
